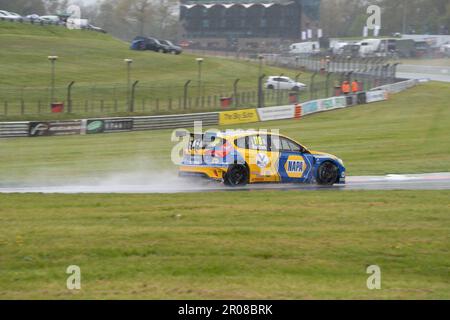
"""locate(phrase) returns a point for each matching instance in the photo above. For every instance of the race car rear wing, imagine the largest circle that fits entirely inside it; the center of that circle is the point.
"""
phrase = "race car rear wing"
(197, 141)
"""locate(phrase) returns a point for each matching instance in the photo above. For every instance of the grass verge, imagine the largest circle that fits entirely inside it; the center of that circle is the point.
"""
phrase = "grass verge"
(258, 245)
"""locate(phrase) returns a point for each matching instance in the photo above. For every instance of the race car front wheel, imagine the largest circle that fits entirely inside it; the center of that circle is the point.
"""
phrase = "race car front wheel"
(237, 175)
(327, 174)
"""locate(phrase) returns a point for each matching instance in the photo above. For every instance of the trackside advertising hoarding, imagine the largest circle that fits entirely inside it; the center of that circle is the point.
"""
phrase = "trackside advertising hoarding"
(323, 105)
(276, 113)
(238, 116)
(375, 96)
(108, 125)
(54, 128)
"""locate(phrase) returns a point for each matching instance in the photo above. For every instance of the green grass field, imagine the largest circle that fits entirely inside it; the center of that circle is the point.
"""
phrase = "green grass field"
(255, 245)
(96, 63)
(249, 245)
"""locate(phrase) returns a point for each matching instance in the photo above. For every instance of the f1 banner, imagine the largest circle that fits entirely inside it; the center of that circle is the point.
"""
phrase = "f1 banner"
(54, 128)
(108, 125)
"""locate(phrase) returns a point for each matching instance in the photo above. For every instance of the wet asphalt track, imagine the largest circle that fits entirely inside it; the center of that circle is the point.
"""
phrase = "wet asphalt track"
(429, 181)
(434, 73)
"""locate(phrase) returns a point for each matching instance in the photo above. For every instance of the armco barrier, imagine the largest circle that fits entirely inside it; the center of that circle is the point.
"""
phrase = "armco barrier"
(175, 121)
(14, 129)
(104, 125)
(398, 87)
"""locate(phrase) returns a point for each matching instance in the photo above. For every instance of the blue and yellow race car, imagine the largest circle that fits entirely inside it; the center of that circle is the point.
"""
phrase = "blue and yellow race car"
(241, 157)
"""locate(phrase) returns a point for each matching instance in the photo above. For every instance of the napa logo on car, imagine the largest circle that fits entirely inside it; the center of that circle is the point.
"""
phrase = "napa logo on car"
(295, 166)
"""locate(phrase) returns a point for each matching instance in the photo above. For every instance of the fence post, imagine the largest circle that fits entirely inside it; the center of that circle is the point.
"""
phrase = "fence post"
(311, 91)
(235, 93)
(260, 91)
(394, 72)
(297, 76)
(133, 91)
(327, 85)
(278, 90)
(69, 97)
(185, 94)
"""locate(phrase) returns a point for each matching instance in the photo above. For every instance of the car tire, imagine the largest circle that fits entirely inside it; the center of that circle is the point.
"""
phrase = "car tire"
(327, 174)
(295, 88)
(236, 176)
(161, 51)
(270, 86)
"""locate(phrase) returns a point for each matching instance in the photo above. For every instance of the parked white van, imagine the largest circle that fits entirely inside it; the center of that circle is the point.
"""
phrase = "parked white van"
(377, 47)
(304, 47)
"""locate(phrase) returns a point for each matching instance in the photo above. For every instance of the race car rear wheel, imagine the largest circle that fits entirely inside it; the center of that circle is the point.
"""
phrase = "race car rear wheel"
(327, 174)
(237, 175)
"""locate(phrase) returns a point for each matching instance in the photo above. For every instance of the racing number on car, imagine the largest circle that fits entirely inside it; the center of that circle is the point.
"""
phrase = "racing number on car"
(258, 143)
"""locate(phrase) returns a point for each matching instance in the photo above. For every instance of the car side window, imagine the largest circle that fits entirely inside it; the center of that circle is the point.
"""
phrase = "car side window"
(285, 146)
(257, 142)
(289, 145)
(241, 143)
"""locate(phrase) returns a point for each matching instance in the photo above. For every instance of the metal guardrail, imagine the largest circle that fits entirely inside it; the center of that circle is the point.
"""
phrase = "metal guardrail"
(14, 129)
(64, 127)
(398, 87)
(174, 121)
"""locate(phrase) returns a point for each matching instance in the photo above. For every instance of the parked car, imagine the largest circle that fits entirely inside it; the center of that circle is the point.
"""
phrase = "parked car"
(174, 49)
(10, 15)
(284, 83)
(33, 17)
(94, 28)
(148, 43)
(445, 49)
(53, 19)
(377, 47)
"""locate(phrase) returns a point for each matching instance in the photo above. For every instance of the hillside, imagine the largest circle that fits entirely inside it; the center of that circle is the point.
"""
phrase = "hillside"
(96, 63)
